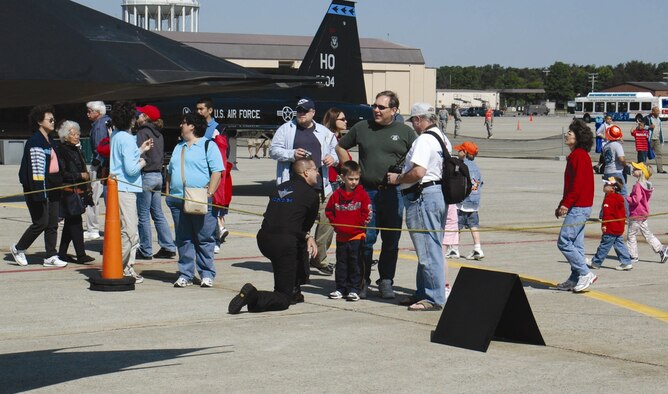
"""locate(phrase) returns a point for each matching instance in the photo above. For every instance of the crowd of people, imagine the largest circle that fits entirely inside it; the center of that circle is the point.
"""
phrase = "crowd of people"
(618, 206)
(400, 171)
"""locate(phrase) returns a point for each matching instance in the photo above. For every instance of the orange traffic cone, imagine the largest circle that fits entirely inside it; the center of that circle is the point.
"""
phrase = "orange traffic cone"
(518, 126)
(112, 261)
(112, 278)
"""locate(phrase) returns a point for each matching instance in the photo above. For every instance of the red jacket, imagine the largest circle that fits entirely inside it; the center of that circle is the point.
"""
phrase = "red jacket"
(353, 208)
(578, 180)
(223, 195)
(613, 208)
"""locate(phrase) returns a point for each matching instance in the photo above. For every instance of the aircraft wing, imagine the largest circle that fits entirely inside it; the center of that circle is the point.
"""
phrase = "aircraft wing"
(60, 52)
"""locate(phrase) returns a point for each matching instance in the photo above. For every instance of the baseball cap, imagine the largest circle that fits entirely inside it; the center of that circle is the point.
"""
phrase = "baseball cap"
(642, 167)
(612, 181)
(422, 109)
(305, 104)
(151, 111)
(468, 147)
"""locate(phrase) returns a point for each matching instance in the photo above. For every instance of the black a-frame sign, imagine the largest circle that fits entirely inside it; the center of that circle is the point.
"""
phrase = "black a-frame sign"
(486, 305)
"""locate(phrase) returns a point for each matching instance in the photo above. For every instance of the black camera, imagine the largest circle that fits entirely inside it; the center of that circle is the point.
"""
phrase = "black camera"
(108, 124)
(394, 169)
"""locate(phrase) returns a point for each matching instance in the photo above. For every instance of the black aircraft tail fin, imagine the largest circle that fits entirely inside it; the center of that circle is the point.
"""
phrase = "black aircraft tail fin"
(335, 55)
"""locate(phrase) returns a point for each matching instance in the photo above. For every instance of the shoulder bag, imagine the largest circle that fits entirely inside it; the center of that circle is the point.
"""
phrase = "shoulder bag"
(195, 198)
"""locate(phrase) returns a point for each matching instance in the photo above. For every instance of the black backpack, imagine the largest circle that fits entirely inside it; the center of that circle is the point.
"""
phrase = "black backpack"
(456, 181)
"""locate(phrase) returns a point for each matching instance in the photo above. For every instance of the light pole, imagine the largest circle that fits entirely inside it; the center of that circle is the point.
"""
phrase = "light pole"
(592, 78)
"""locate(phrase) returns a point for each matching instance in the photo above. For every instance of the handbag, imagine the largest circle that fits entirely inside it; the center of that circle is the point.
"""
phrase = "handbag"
(71, 204)
(195, 198)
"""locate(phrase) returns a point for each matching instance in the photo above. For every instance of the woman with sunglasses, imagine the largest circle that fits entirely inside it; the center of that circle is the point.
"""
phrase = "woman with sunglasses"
(39, 174)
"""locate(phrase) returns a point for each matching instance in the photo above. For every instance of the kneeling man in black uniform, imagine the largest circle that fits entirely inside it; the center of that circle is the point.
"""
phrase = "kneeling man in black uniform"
(283, 238)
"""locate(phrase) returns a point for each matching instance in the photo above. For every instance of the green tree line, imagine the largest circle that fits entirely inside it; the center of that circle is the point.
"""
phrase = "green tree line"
(561, 81)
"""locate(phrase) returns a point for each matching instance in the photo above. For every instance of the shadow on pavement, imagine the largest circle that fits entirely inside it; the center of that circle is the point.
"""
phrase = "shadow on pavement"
(36, 369)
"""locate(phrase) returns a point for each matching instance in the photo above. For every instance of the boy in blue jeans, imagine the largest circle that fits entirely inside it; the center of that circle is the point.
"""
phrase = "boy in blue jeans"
(348, 210)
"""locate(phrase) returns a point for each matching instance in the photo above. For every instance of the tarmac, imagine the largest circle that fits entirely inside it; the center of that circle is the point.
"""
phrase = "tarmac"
(59, 336)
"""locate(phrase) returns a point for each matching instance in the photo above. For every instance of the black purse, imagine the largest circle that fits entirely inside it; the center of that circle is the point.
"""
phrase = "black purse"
(71, 204)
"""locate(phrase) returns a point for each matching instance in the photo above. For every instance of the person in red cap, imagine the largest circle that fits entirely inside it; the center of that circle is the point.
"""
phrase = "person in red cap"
(467, 210)
(149, 201)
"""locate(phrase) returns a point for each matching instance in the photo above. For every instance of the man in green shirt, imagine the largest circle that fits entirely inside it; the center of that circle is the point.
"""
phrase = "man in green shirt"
(382, 144)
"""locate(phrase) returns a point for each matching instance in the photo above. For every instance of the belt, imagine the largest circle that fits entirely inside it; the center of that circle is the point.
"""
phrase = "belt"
(73, 190)
(418, 187)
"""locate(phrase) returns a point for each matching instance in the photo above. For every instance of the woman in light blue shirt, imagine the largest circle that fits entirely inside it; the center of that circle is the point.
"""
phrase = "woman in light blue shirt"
(203, 167)
(126, 164)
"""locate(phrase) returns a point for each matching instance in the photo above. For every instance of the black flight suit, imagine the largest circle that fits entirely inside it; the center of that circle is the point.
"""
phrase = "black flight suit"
(292, 210)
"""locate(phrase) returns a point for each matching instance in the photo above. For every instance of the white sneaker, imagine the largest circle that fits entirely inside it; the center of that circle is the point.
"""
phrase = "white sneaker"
(207, 282)
(19, 255)
(664, 254)
(335, 295)
(623, 267)
(475, 255)
(352, 296)
(451, 253)
(183, 282)
(54, 261)
(216, 249)
(130, 271)
(591, 265)
(91, 236)
(584, 282)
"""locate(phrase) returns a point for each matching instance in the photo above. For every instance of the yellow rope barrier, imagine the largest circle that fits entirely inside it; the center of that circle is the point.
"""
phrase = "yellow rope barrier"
(250, 213)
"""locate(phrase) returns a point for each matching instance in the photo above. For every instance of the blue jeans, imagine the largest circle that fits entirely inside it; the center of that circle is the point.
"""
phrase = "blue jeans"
(195, 243)
(571, 241)
(388, 212)
(149, 206)
(174, 205)
(427, 211)
(607, 242)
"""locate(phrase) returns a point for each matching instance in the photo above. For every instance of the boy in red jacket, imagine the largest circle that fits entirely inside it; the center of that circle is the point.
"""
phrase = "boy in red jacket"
(613, 215)
(348, 210)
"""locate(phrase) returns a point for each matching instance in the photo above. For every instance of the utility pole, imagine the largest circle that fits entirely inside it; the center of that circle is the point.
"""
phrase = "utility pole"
(592, 78)
(546, 71)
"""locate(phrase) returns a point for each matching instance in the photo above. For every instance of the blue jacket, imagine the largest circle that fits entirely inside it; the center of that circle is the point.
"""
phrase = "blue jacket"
(283, 152)
(472, 202)
(97, 134)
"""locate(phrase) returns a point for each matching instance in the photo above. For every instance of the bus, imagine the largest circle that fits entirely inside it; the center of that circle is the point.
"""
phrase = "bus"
(622, 106)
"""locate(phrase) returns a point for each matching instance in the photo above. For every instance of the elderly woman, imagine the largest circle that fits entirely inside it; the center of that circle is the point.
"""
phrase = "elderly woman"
(575, 205)
(39, 174)
(202, 165)
(73, 169)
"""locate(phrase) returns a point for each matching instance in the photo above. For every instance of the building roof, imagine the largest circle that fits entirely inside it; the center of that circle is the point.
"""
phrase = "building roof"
(288, 48)
(647, 85)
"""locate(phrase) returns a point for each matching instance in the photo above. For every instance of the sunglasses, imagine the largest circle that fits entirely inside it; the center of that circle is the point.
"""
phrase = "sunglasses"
(380, 107)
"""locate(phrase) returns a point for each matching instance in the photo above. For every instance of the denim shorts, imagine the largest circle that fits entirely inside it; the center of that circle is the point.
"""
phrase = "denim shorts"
(468, 219)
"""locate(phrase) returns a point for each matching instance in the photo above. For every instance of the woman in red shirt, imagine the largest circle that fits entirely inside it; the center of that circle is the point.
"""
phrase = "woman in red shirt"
(575, 205)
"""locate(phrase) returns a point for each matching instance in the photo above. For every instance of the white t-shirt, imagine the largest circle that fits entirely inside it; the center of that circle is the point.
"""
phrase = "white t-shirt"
(426, 152)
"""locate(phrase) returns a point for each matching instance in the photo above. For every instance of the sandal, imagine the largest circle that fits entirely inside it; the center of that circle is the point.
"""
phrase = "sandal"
(410, 300)
(424, 306)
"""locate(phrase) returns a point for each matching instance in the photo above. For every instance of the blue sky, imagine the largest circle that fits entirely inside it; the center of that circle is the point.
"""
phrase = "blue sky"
(518, 33)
